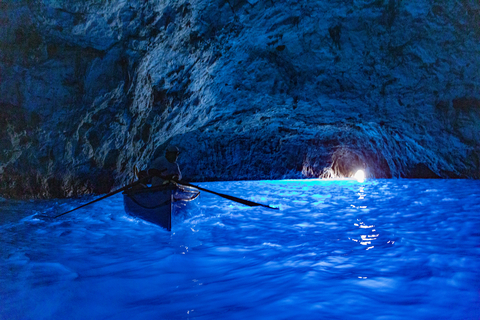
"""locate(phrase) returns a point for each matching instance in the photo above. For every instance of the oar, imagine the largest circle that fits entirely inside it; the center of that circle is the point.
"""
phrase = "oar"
(226, 196)
(108, 195)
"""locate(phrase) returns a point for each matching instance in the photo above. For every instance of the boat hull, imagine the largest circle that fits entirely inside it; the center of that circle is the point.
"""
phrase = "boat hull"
(156, 204)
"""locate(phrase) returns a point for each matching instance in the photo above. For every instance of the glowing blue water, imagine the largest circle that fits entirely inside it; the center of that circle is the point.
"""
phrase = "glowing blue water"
(384, 249)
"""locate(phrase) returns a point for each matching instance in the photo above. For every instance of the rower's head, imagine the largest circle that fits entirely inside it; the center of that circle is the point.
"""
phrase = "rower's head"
(171, 153)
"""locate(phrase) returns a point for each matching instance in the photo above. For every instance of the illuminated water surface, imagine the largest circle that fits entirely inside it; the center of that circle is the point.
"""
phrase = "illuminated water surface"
(382, 249)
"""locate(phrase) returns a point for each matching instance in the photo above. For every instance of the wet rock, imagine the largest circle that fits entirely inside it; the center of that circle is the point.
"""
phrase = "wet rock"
(246, 89)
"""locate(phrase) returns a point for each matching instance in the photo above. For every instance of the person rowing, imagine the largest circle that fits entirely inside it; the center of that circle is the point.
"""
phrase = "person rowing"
(163, 169)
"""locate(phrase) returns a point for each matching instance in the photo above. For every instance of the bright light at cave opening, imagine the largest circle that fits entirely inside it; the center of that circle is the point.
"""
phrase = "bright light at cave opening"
(360, 176)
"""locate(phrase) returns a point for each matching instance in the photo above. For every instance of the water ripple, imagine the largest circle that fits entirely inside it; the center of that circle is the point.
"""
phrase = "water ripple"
(383, 249)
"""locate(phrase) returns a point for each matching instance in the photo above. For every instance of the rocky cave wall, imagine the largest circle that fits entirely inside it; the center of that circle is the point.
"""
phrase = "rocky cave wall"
(246, 89)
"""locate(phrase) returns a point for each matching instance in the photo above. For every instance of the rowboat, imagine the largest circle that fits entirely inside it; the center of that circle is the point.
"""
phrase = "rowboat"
(158, 204)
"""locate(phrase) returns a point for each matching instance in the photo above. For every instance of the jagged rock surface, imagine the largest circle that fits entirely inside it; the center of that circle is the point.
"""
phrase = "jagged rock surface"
(247, 89)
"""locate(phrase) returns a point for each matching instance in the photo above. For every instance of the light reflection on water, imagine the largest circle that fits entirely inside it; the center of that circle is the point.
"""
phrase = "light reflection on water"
(390, 249)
